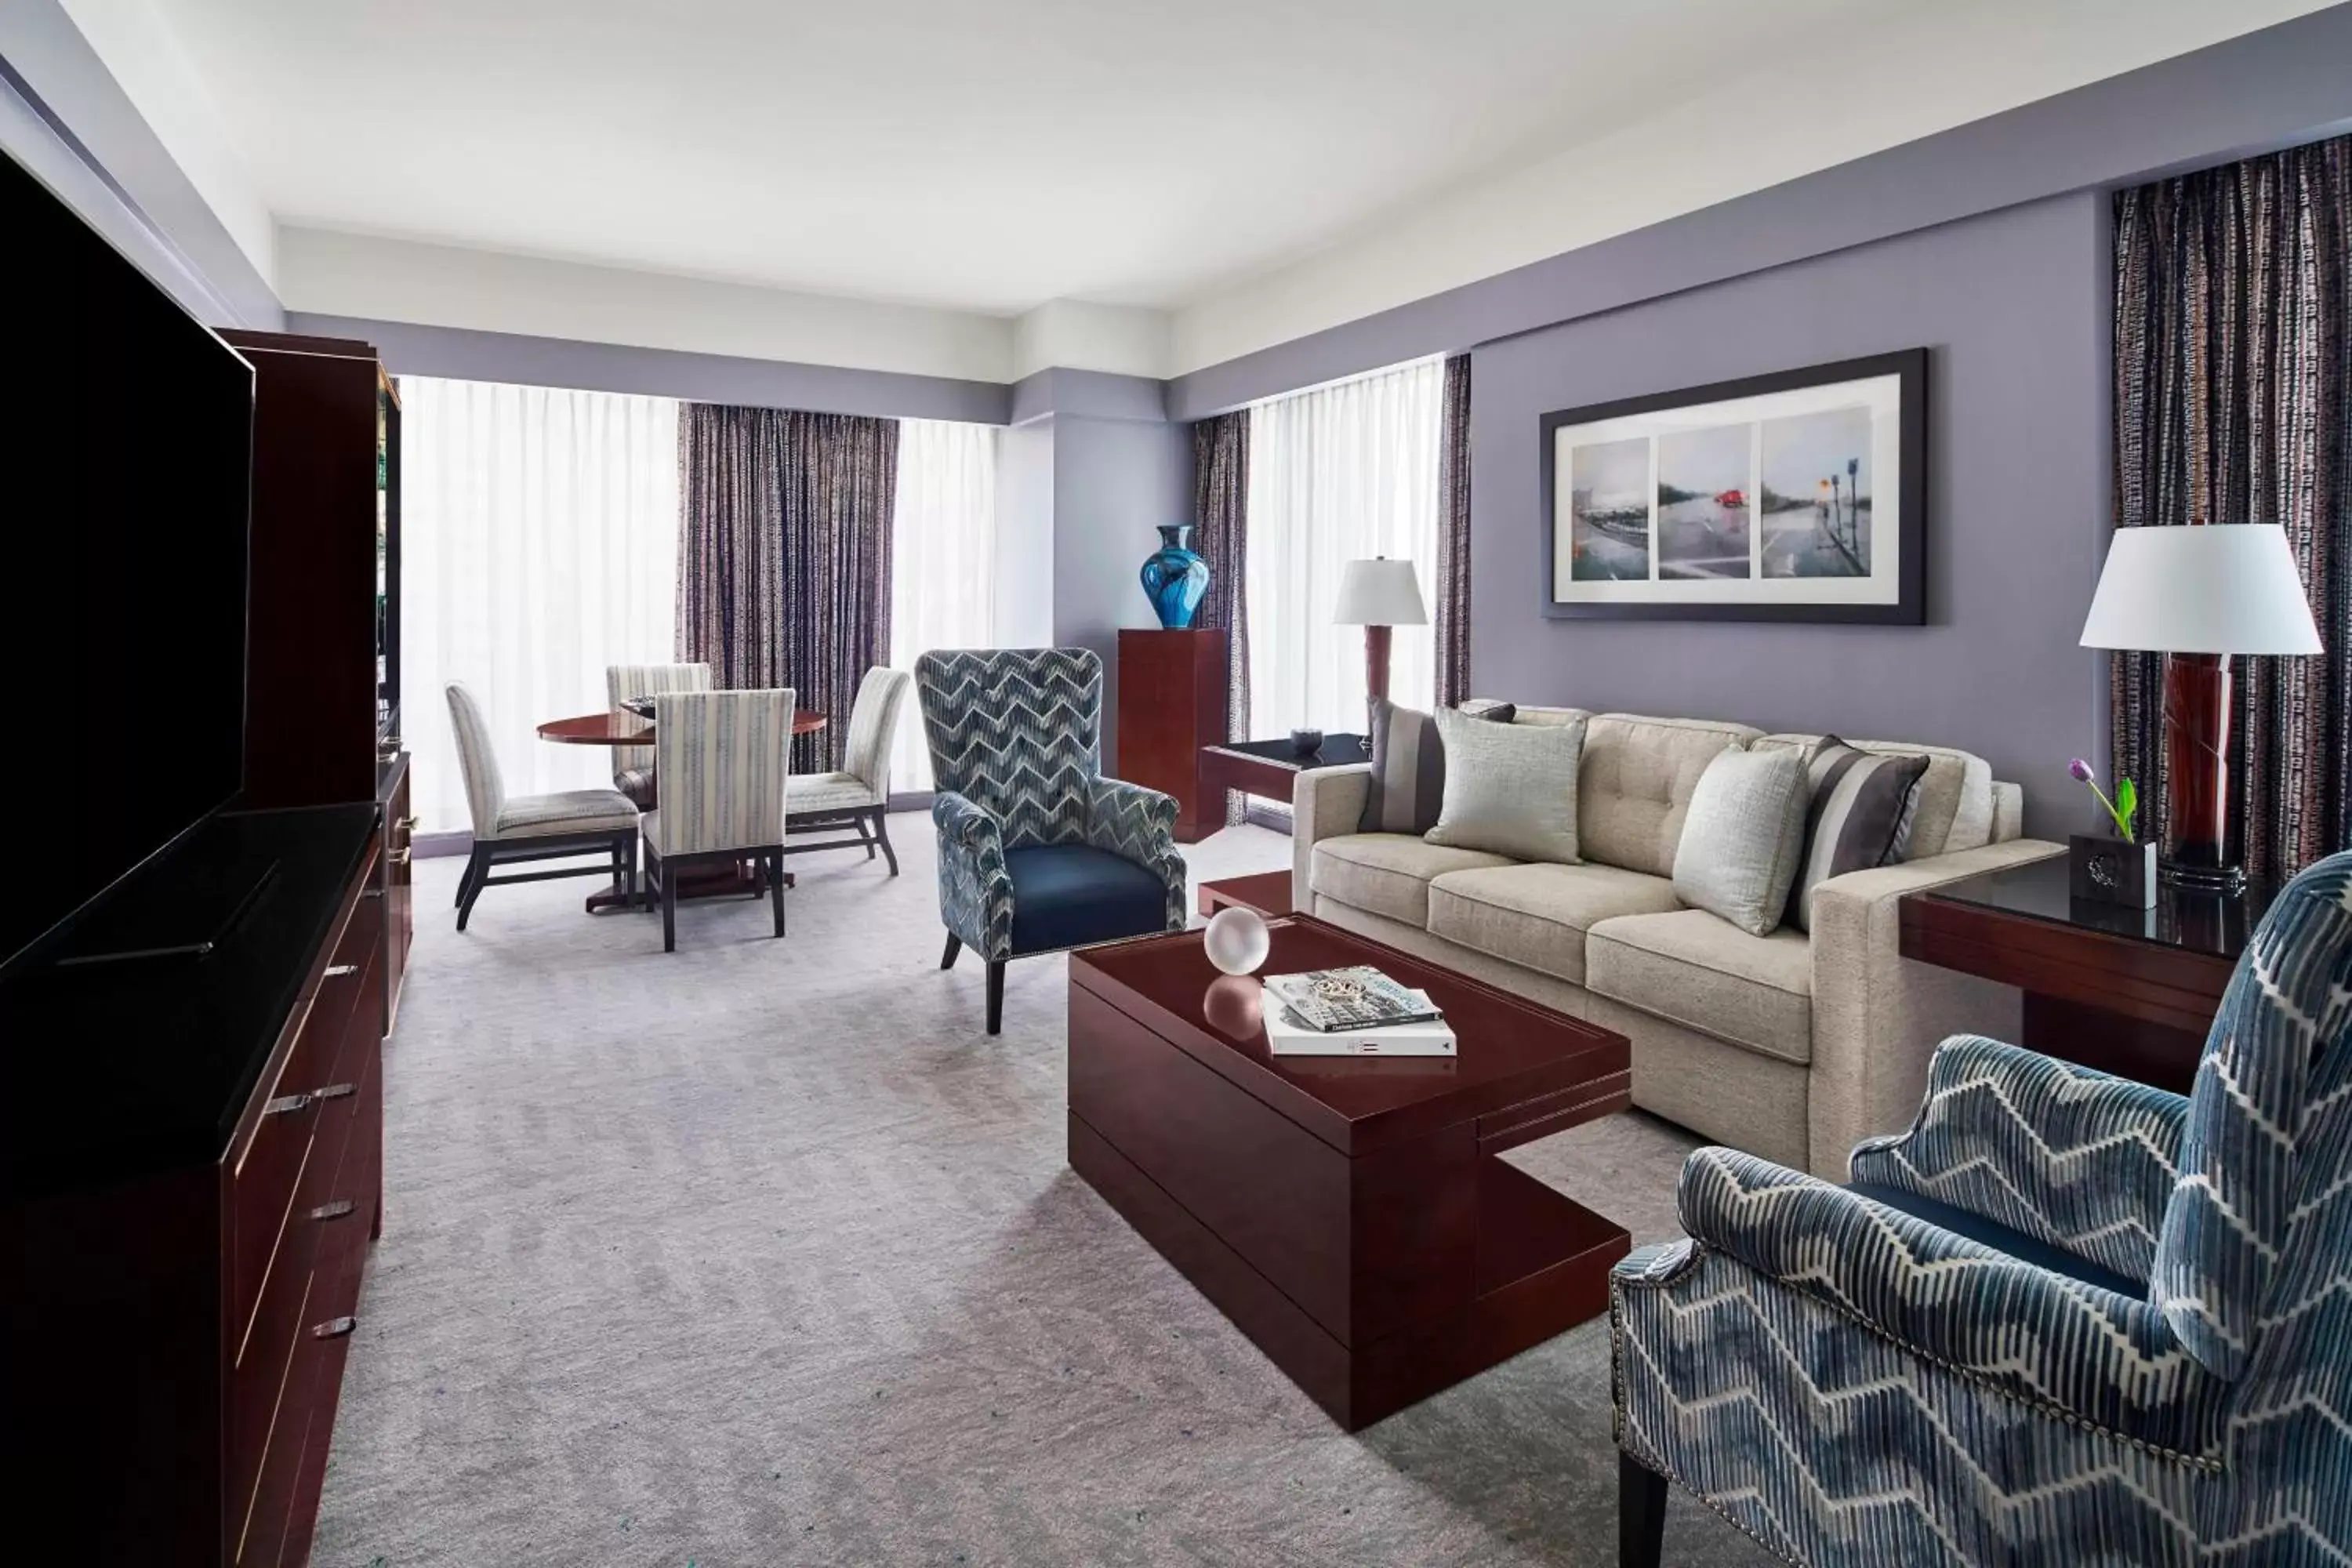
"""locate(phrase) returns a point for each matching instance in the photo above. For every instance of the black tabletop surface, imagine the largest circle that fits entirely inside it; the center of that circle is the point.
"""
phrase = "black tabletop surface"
(1338, 751)
(2188, 923)
(112, 1070)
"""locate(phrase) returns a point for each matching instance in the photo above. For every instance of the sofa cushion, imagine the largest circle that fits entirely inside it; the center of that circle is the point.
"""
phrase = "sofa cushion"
(1743, 835)
(1953, 807)
(1706, 974)
(1536, 916)
(1407, 781)
(1636, 783)
(1510, 789)
(1388, 873)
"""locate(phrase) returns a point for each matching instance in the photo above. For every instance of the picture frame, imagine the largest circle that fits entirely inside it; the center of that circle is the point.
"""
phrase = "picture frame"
(1795, 496)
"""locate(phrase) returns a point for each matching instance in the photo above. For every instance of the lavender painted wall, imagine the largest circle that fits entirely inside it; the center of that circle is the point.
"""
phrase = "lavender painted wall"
(1114, 482)
(2013, 306)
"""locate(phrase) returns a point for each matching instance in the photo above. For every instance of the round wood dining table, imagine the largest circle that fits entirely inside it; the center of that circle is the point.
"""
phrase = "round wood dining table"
(628, 730)
(609, 729)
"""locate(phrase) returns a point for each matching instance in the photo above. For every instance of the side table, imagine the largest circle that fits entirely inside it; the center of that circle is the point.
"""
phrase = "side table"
(1267, 768)
(2130, 992)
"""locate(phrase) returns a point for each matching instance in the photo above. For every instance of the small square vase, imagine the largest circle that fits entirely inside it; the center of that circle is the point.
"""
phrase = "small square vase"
(2109, 871)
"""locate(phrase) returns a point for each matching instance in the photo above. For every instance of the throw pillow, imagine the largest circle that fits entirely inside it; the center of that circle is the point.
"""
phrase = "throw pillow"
(1742, 837)
(1510, 789)
(1409, 767)
(1860, 815)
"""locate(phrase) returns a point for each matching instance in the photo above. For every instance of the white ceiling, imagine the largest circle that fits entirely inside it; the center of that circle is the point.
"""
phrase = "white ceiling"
(941, 152)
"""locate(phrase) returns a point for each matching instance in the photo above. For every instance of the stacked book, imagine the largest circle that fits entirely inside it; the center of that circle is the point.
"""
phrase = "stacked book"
(1353, 1011)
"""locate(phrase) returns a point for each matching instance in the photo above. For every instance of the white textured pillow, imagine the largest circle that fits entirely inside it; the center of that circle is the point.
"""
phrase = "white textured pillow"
(1510, 789)
(1744, 836)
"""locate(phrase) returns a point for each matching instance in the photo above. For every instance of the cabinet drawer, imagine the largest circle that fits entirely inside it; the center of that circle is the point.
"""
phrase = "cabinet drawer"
(262, 1480)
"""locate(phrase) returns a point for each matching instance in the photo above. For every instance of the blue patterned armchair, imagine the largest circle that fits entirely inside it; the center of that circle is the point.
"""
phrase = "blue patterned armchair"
(2065, 1318)
(1038, 851)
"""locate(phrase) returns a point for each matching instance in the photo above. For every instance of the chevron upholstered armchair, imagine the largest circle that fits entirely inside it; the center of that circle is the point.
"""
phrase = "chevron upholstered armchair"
(2064, 1320)
(1038, 851)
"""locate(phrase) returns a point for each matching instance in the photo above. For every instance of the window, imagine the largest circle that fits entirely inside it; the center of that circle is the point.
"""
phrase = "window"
(539, 543)
(943, 562)
(1337, 474)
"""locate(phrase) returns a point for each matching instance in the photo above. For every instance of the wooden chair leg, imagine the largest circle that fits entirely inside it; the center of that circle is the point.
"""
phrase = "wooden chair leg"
(775, 862)
(955, 945)
(1641, 1514)
(478, 872)
(864, 837)
(882, 837)
(996, 996)
(669, 910)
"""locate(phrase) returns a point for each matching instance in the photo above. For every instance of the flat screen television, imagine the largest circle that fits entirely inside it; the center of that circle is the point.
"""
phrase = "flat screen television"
(126, 435)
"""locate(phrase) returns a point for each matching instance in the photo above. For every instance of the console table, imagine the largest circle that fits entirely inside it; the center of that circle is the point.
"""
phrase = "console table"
(2130, 992)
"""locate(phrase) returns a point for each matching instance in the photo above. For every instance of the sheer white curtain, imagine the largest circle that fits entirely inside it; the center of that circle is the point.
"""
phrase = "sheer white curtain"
(943, 562)
(539, 540)
(1337, 474)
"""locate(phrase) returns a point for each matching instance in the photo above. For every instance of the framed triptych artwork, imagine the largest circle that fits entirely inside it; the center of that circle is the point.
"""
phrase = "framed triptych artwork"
(1799, 496)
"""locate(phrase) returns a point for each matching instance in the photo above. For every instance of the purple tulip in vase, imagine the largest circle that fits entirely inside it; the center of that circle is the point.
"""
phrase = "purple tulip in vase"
(2117, 869)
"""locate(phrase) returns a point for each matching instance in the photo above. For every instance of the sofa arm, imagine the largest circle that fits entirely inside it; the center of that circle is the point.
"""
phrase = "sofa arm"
(975, 890)
(2069, 1155)
(1878, 1017)
(1324, 804)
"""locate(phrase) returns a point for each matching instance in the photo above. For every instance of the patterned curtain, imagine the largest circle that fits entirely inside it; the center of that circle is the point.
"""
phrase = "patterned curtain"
(783, 555)
(2233, 404)
(1221, 534)
(1454, 538)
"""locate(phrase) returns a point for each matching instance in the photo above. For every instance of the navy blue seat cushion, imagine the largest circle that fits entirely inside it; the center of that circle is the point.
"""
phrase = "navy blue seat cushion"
(1065, 895)
(1999, 1237)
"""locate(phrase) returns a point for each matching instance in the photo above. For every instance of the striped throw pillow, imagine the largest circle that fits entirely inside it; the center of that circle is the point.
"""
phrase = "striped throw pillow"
(1408, 782)
(1860, 817)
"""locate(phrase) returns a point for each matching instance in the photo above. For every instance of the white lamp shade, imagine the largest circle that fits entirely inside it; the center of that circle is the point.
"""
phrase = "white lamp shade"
(1379, 593)
(2214, 588)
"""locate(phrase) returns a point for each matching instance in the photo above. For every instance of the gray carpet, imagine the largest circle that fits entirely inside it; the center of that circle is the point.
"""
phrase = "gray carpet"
(761, 1253)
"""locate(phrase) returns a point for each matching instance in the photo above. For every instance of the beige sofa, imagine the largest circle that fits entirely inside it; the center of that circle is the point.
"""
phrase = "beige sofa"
(1793, 1046)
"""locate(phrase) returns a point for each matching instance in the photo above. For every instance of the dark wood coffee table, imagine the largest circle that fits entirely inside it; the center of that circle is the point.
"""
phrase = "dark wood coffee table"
(1346, 1213)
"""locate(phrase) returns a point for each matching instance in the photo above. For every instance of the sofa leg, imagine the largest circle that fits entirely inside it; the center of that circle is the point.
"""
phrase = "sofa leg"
(996, 996)
(882, 837)
(955, 945)
(1641, 1514)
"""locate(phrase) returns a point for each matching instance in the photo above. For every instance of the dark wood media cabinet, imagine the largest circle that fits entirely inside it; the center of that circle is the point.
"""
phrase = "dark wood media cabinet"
(195, 1155)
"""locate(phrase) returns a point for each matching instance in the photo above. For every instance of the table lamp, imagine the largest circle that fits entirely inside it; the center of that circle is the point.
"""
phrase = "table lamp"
(2199, 594)
(1376, 594)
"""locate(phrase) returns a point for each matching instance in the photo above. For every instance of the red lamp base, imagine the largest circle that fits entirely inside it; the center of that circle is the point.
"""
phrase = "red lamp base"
(2197, 775)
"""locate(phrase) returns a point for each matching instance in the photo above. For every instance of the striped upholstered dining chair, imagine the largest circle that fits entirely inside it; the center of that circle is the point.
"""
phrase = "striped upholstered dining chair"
(2064, 1320)
(633, 767)
(562, 825)
(722, 758)
(856, 796)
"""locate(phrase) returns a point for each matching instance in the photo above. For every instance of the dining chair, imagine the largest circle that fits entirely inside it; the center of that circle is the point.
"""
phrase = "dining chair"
(857, 795)
(510, 828)
(633, 767)
(724, 759)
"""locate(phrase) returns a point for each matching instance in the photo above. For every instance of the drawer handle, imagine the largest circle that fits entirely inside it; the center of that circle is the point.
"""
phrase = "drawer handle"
(406, 824)
(370, 892)
(333, 1327)
(398, 856)
(287, 1105)
(335, 1210)
(335, 1092)
(337, 971)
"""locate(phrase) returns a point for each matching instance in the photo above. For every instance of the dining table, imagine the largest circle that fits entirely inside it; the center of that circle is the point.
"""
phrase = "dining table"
(611, 729)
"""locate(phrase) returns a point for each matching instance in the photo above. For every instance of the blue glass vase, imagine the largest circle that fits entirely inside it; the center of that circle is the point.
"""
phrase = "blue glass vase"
(1174, 578)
